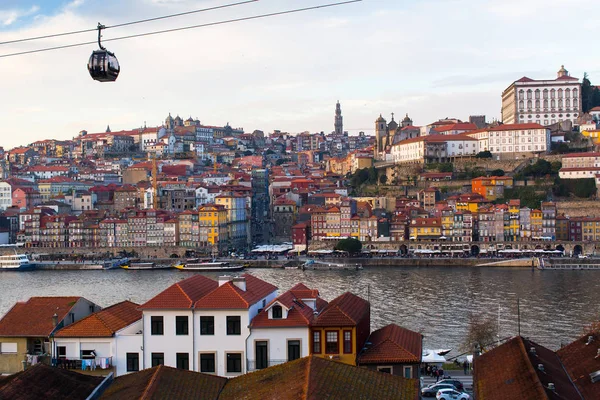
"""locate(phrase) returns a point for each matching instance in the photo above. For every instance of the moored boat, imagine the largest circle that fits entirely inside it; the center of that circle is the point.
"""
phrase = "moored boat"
(144, 266)
(209, 266)
(14, 262)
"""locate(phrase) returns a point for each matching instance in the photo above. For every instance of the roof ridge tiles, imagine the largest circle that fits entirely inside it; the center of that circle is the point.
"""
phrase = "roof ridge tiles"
(149, 388)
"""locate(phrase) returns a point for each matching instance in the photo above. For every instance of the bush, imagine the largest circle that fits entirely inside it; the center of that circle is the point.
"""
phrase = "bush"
(350, 245)
(383, 179)
(497, 172)
(484, 154)
(581, 188)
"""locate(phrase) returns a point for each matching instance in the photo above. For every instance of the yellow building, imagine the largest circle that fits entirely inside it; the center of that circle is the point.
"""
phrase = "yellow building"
(511, 229)
(212, 221)
(536, 224)
(593, 134)
(426, 228)
(341, 330)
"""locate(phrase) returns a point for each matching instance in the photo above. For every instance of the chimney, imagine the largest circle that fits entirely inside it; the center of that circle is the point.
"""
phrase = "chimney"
(240, 282)
(224, 279)
(54, 320)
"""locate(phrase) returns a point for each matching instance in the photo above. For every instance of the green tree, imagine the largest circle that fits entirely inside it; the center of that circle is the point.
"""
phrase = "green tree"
(446, 167)
(497, 172)
(555, 166)
(484, 154)
(351, 245)
(383, 179)
(372, 175)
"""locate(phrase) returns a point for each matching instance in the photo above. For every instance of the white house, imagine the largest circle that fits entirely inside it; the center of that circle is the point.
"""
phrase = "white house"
(202, 325)
(281, 332)
(5, 195)
(110, 339)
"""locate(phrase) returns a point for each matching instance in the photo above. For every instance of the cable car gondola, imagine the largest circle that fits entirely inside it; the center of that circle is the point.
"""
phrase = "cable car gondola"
(103, 65)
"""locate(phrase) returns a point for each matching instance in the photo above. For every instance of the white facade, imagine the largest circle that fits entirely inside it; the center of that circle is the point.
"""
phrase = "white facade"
(5, 195)
(542, 102)
(411, 150)
(578, 173)
(169, 343)
(109, 351)
(526, 138)
(277, 340)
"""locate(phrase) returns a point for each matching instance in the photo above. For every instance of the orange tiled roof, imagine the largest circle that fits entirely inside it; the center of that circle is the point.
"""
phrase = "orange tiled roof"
(229, 296)
(182, 294)
(580, 360)
(393, 344)
(345, 310)
(33, 318)
(166, 383)
(317, 378)
(104, 323)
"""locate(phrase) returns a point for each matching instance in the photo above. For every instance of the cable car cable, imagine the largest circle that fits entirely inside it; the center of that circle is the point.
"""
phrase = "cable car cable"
(184, 28)
(130, 23)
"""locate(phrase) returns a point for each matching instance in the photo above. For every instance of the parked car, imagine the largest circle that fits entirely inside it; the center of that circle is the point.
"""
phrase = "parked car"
(458, 384)
(451, 394)
(431, 390)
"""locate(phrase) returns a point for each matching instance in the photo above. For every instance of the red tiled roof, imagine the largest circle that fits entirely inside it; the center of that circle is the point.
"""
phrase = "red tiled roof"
(182, 294)
(104, 323)
(510, 371)
(229, 296)
(580, 360)
(33, 318)
(345, 310)
(165, 383)
(515, 127)
(575, 155)
(393, 344)
(317, 378)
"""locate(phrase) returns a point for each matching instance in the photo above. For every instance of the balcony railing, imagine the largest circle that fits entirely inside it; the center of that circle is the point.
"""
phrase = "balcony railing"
(83, 364)
(254, 365)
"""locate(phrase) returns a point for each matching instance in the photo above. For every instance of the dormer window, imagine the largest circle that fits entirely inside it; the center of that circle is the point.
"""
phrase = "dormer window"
(277, 312)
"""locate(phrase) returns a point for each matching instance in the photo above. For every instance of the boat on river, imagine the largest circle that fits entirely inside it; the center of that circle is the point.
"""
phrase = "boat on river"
(13, 261)
(316, 264)
(135, 266)
(199, 265)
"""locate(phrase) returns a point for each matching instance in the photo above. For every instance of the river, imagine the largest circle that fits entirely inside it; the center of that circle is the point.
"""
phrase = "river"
(437, 302)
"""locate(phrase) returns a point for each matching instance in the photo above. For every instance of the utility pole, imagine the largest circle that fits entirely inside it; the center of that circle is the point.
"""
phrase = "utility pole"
(518, 316)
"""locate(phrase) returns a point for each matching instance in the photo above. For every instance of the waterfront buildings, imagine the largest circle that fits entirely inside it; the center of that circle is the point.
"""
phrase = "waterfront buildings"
(544, 102)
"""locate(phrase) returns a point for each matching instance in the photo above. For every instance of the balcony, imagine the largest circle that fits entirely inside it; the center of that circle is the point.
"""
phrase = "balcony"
(254, 365)
(94, 366)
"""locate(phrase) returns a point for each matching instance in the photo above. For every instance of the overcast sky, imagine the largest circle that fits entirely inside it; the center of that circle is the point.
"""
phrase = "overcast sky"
(429, 58)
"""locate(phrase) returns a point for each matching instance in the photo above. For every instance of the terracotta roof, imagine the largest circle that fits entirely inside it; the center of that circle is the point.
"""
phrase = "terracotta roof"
(393, 344)
(514, 127)
(182, 294)
(345, 310)
(580, 360)
(166, 383)
(317, 378)
(43, 382)
(104, 323)
(229, 296)
(575, 155)
(33, 318)
(511, 371)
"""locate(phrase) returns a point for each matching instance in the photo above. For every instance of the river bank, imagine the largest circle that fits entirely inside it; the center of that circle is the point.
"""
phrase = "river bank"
(365, 262)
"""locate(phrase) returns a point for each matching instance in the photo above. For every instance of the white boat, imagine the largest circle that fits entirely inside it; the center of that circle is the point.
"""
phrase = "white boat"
(209, 266)
(138, 266)
(315, 264)
(14, 262)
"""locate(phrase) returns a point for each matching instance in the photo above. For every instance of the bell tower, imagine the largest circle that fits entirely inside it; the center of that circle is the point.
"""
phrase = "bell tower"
(339, 121)
(380, 135)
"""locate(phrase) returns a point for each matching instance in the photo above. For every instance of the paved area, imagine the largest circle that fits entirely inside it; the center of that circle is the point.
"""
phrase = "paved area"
(467, 380)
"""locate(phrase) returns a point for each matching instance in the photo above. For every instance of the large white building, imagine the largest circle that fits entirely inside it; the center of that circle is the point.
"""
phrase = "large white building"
(543, 102)
(510, 140)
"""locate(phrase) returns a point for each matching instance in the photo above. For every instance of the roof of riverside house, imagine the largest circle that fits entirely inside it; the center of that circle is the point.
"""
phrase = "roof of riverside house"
(512, 371)
(580, 359)
(104, 323)
(33, 318)
(317, 378)
(229, 296)
(299, 314)
(182, 294)
(48, 383)
(166, 383)
(393, 344)
(345, 310)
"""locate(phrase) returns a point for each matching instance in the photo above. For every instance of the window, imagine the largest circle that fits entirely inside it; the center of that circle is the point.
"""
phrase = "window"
(181, 325)
(156, 326)
(133, 362)
(407, 372)
(316, 342)
(293, 350)
(331, 342)
(183, 360)
(207, 325)
(385, 370)
(207, 363)
(234, 362)
(158, 359)
(277, 312)
(12, 348)
(347, 342)
(234, 326)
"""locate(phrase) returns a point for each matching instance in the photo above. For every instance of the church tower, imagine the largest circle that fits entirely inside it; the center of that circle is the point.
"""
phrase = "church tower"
(339, 124)
(407, 121)
(380, 135)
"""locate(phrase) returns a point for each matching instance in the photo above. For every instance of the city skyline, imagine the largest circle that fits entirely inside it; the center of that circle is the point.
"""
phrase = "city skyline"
(281, 73)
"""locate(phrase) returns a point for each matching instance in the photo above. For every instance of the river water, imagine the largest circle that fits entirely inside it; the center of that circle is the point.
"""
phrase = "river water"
(438, 302)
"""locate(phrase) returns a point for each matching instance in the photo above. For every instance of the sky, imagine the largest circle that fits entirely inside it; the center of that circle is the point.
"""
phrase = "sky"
(428, 58)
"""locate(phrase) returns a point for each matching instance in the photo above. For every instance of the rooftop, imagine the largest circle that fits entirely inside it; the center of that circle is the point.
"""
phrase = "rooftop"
(104, 323)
